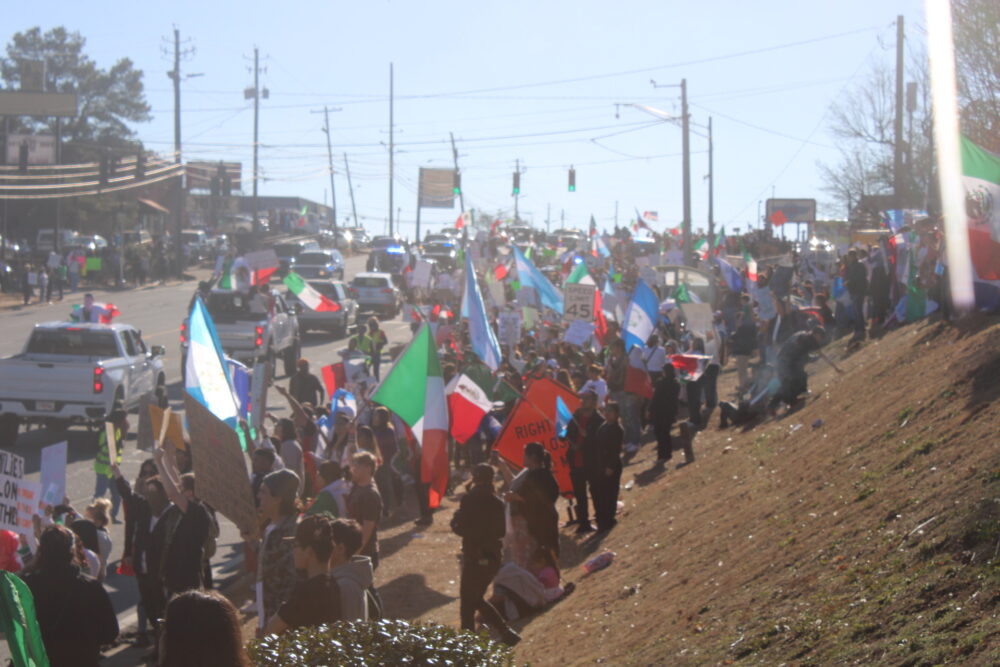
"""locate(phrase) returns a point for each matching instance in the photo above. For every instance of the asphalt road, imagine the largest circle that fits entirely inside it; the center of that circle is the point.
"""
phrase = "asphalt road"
(158, 312)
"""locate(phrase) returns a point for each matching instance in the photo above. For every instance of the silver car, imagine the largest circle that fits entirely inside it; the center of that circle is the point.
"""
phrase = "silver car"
(375, 291)
(338, 322)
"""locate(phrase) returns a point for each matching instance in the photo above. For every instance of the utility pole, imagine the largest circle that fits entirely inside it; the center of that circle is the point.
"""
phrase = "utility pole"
(517, 192)
(711, 186)
(391, 120)
(454, 155)
(329, 159)
(686, 148)
(256, 126)
(548, 216)
(898, 181)
(350, 187)
(616, 213)
(179, 187)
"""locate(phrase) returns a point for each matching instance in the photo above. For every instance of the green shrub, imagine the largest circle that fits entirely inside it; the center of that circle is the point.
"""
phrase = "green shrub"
(386, 642)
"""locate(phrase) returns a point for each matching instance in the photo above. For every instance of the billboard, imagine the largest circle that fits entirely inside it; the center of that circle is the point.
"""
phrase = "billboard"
(200, 174)
(41, 148)
(21, 103)
(780, 211)
(437, 188)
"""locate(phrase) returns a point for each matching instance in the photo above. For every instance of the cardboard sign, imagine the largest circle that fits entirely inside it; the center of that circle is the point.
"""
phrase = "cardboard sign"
(220, 467)
(533, 420)
(578, 302)
(175, 431)
(144, 435)
(698, 317)
(11, 475)
(109, 434)
(509, 325)
(258, 395)
(579, 332)
(29, 499)
(261, 259)
(53, 467)
(422, 274)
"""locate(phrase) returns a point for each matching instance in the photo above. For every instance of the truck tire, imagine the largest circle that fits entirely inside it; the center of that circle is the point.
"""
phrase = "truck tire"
(9, 425)
(291, 358)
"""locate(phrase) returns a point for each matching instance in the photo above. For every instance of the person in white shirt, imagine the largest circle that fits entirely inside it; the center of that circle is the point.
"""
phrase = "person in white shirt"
(595, 383)
(654, 357)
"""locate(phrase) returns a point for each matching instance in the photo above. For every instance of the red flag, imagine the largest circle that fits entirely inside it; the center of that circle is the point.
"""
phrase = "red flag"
(263, 276)
(600, 322)
(500, 271)
(493, 227)
(334, 377)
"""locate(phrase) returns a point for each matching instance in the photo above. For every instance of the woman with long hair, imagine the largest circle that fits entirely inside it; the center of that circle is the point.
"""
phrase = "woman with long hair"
(202, 629)
(531, 506)
(275, 565)
(74, 611)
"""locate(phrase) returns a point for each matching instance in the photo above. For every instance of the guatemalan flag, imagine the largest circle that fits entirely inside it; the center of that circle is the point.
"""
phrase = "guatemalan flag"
(640, 316)
(207, 379)
(484, 339)
(530, 276)
(563, 417)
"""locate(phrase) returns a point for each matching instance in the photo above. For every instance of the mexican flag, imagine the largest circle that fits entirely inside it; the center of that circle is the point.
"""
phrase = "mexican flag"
(308, 296)
(720, 240)
(414, 390)
(468, 402)
(981, 177)
(701, 248)
(579, 275)
(751, 266)
(19, 623)
(302, 216)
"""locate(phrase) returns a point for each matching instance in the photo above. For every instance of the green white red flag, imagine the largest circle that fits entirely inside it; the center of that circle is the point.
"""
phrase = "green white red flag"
(414, 390)
(468, 402)
(312, 299)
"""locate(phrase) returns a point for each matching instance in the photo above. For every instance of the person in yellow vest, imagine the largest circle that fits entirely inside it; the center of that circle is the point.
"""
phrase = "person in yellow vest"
(102, 463)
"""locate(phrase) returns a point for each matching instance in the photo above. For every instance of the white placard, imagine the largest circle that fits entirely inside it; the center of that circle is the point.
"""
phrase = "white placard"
(698, 317)
(509, 325)
(578, 302)
(53, 468)
(422, 274)
(497, 293)
(579, 332)
(11, 474)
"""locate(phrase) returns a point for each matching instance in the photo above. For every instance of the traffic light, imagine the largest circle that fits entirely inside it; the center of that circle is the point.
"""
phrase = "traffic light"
(140, 166)
(457, 186)
(22, 158)
(517, 183)
(572, 180)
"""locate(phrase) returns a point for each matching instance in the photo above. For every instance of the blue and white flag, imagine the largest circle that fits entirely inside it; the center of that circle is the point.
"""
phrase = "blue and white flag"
(563, 417)
(484, 339)
(730, 274)
(640, 316)
(530, 276)
(240, 377)
(206, 373)
(343, 399)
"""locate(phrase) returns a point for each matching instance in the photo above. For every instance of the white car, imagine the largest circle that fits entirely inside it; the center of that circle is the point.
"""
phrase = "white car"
(72, 373)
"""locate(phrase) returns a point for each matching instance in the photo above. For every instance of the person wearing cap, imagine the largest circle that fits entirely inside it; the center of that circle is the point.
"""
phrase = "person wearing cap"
(276, 574)
(104, 475)
(479, 521)
(305, 387)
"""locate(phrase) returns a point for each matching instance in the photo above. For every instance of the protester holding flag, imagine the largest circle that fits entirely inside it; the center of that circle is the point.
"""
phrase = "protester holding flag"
(74, 612)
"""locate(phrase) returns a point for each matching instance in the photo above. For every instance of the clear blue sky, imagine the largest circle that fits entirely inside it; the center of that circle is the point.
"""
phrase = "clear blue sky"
(535, 81)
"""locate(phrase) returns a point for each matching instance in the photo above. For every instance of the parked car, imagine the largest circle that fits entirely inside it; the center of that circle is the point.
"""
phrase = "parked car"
(320, 264)
(443, 252)
(72, 373)
(437, 238)
(196, 243)
(87, 242)
(361, 238)
(45, 240)
(376, 291)
(383, 242)
(337, 322)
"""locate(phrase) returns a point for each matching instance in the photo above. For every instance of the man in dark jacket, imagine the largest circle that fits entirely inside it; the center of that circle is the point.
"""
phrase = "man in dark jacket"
(856, 282)
(480, 522)
(609, 439)
(792, 358)
(305, 387)
(584, 468)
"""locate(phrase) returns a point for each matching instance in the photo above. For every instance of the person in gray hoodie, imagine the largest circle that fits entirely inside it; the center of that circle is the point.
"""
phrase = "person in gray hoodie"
(354, 573)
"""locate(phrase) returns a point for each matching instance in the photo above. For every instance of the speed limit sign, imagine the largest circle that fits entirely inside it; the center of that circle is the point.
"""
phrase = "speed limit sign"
(578, 302)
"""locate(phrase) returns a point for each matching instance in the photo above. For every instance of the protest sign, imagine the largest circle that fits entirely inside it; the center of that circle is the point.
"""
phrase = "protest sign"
(579, 332)
(496, 292)
(175, 431)
(258, 394)
(53, 468)
(29, 497)
(261, 259)
(698, 317)
(509, 325)
(220, 467)
(93, 264)
(422, 274)
(530, 317)
(109, 433)
(533, 420)
(11, 474)
(144, 436)
(578, 302)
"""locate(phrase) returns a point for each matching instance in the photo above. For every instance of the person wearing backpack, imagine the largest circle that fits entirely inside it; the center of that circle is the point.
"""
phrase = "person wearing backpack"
(480, 522)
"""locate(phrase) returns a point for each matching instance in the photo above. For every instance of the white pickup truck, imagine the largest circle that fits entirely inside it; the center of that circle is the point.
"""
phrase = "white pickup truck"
(73, 373)
(252, 330)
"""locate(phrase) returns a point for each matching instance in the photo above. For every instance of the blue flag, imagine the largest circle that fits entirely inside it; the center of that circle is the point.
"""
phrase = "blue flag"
(484, 339)
(730, 274)
(563, 417)
(640, 317)
(206, 378)
(530, 276)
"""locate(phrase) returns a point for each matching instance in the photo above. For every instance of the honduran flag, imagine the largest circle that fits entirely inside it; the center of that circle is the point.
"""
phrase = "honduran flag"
(640, 316)
(207, 379)
(468, 402)
(414, 390)
(481, 334)
(530, 276)
(563, 417)
(312, 299)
